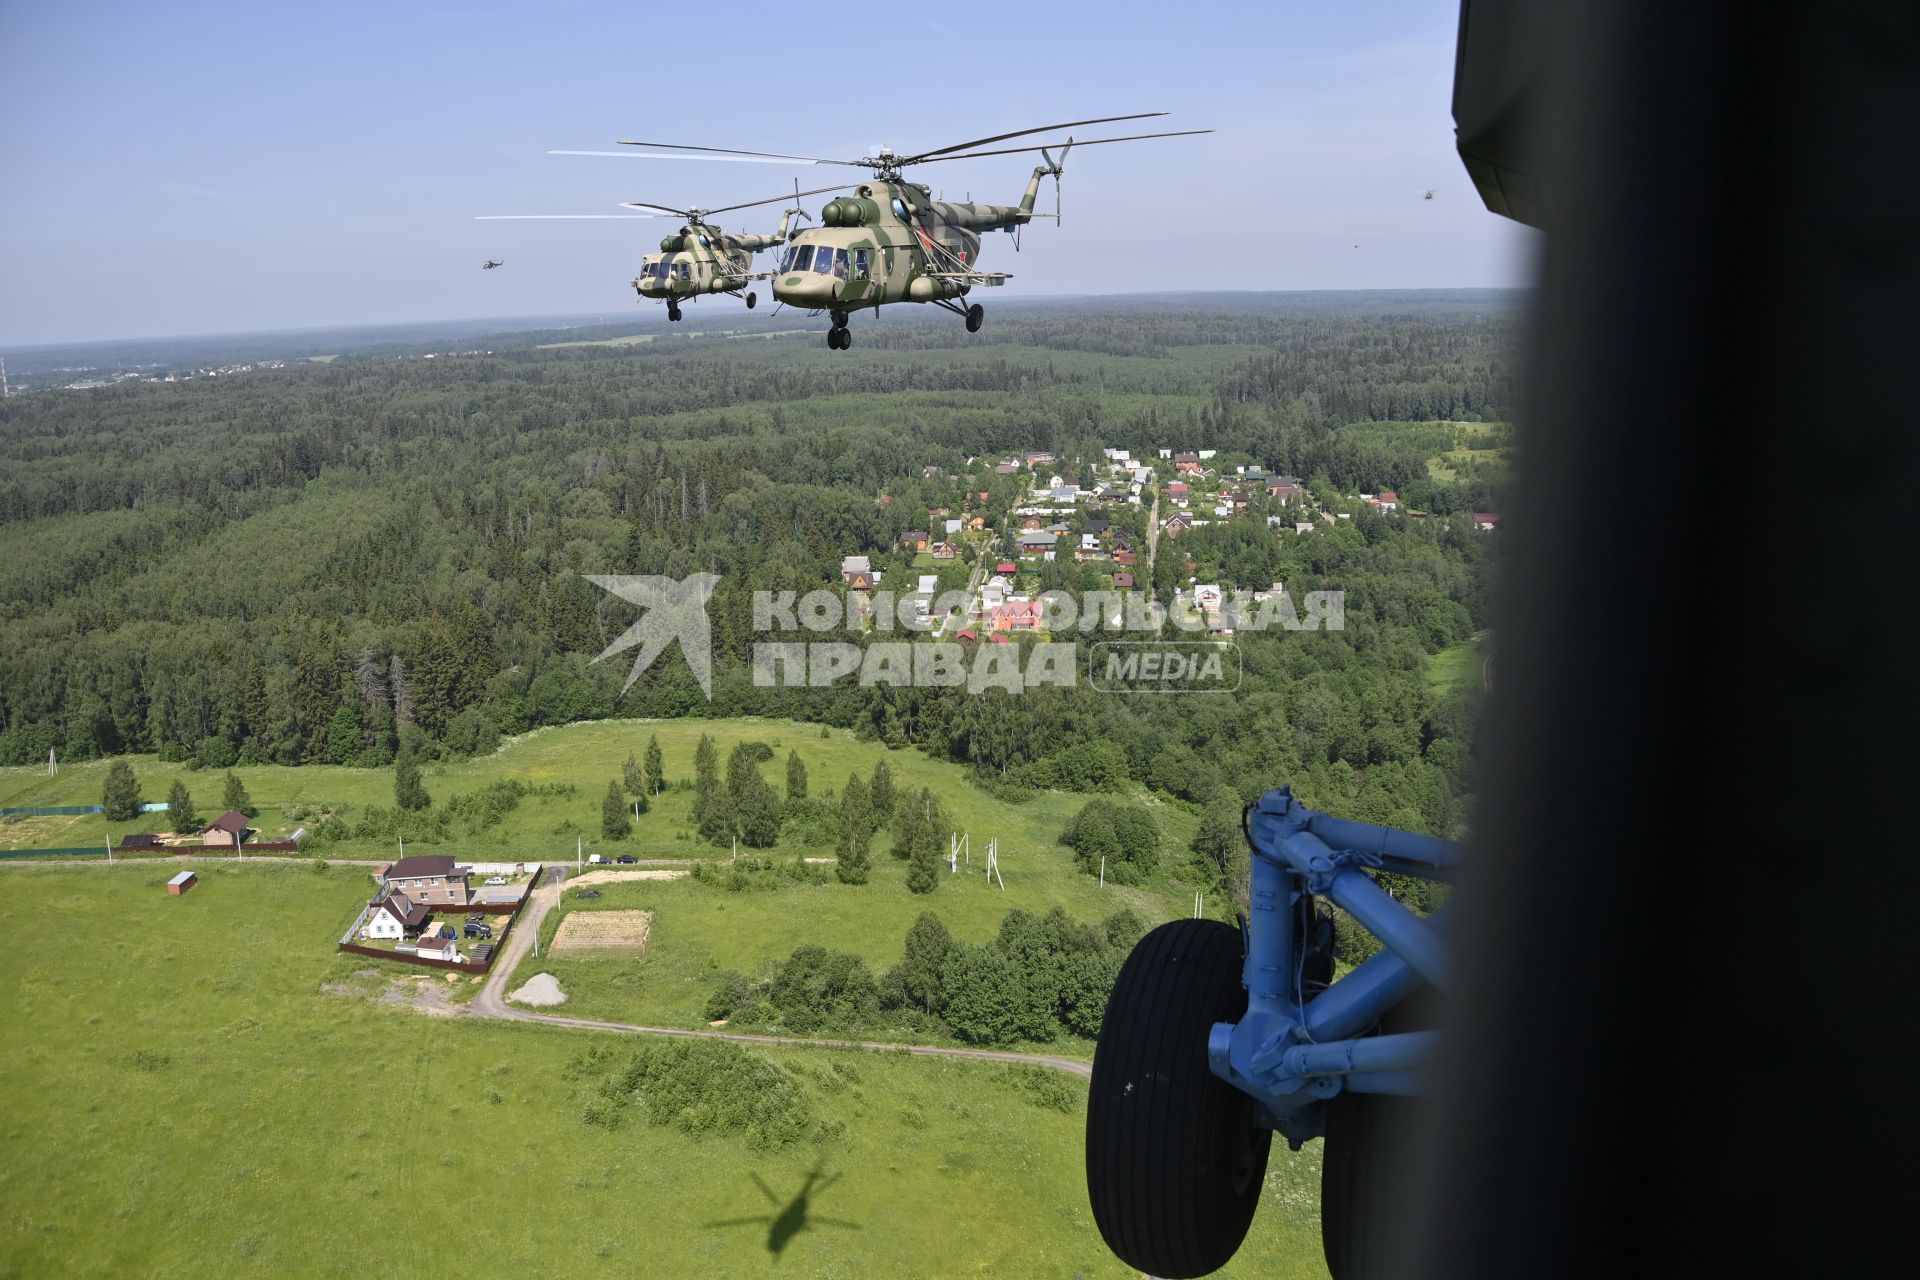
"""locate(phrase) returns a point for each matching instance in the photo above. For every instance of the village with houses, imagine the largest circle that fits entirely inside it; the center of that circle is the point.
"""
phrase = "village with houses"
(1011, 527)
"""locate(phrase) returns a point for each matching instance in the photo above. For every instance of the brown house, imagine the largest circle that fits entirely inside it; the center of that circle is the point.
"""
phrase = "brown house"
(944, 551)
(430, 880)
(1122, 581)
(914, 540)
(230, 829)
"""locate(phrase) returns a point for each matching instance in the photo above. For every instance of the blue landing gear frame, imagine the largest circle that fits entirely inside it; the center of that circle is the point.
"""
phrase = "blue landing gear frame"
(1295, 1049)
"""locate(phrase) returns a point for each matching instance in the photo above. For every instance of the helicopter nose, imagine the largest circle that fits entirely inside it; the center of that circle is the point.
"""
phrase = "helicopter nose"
(804, 290)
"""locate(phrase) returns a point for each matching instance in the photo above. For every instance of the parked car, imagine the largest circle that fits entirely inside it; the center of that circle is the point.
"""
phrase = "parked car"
(586, 893)
(496, 880)
(475, 929)
(626, 857)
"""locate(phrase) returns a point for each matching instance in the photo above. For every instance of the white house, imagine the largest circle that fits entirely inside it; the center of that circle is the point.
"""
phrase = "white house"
(1206, 596)
(394, 916)
(436, 949)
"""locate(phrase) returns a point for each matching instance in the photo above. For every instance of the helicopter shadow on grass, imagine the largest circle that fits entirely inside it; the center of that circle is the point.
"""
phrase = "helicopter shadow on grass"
(792, 1217)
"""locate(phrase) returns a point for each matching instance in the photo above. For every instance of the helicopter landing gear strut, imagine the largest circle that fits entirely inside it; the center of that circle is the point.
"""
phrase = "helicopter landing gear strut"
(839, 337)
(975, 315)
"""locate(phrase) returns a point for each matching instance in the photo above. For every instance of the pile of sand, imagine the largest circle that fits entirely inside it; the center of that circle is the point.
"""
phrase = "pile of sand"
(540, 989)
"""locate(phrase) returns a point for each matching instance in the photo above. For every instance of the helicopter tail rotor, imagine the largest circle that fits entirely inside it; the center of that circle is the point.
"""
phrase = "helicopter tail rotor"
(1056, 168)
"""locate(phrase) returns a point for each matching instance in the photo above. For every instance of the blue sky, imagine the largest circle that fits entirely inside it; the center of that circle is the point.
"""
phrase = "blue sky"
(209, 167)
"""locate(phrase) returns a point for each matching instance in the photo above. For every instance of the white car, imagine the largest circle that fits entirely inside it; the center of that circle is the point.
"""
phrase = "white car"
(496, 879)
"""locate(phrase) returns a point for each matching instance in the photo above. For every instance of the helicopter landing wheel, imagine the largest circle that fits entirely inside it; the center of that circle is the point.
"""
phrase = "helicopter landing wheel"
(751, 299)
(673, 312)
(976, 316)
(839, 338)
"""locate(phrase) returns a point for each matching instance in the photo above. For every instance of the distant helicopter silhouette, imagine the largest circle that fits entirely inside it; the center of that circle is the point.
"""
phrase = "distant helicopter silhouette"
(1429, 195)
(490, 264)
(795, 1217)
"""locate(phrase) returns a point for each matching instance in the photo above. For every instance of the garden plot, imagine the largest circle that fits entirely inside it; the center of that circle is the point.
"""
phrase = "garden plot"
(603, 931)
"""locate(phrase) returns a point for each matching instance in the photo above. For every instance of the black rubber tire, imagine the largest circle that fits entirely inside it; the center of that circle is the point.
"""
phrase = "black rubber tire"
(833, 339)
(752, 298)
(1363, 1188)
(1365, 1178)
(846, 338)
(1175, 1162)
(976, 316)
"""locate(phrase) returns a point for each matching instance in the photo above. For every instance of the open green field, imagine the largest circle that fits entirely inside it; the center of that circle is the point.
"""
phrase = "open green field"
(202, 1087)
(1479, 450)
(549, 828)
(1455, 667)
(700, 928)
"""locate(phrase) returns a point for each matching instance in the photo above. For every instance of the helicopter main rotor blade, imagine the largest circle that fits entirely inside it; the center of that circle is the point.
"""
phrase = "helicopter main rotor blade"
(730, 151)
(527, 217)
(729, 208)
(642, 204)
(650, 155)
(1021, 133)
(1078, 142)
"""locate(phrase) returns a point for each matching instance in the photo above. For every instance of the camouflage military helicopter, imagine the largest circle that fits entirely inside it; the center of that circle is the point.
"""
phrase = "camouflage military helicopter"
(699, 259)
(891, 240)
(490, 264)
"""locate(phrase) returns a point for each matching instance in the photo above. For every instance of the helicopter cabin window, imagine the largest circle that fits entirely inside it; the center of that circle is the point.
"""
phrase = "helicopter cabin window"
(831, 262)
(862, 263)
(681, 271)
(899, 208)
(803, 261)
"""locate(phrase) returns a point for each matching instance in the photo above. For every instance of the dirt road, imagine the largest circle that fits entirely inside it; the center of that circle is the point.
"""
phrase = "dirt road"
(491, 1003)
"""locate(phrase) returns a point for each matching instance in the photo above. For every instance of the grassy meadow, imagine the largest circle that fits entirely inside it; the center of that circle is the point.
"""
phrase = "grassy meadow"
(586, 756)
(202, 1087)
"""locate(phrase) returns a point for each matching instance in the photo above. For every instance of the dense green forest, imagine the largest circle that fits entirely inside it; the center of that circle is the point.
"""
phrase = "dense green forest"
(335, 562)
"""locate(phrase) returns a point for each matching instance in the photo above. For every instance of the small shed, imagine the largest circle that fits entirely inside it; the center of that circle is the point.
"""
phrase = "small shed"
(182, 882)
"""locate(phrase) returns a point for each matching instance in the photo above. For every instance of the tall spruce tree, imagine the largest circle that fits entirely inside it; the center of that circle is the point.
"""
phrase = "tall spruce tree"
(234, 796)
(614, 822)
(120, 797)
(796, 777)
(180, 807)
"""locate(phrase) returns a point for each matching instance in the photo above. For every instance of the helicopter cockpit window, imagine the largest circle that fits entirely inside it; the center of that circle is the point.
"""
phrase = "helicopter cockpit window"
(786, 259)
(681, 271)
(831, 262)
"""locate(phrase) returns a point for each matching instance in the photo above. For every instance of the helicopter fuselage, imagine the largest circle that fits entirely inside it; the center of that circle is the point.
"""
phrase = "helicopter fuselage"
(890, 241)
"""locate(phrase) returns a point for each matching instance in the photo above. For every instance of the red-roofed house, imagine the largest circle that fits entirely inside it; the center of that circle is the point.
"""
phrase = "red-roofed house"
(1485, 519)
(1017, 615)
